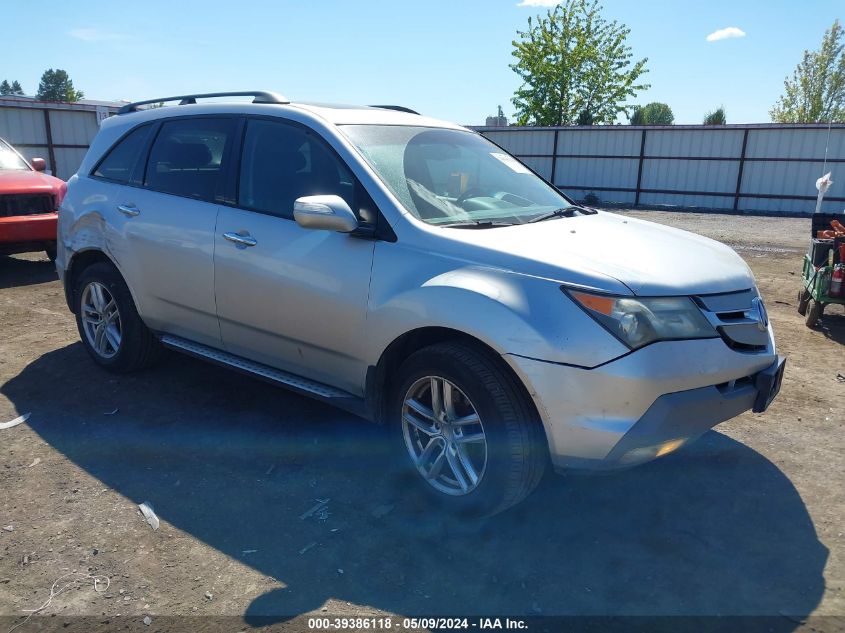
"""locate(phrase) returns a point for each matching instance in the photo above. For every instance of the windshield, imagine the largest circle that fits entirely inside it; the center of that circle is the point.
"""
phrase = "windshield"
(453, 177)
(9, 158)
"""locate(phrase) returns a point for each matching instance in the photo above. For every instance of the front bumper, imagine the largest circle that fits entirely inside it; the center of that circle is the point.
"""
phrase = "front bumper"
(646, 403)
(40, 228)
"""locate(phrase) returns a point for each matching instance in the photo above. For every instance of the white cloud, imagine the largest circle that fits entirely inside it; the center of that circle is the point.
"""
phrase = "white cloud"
(539, 3)
(94, 35)
(725, 34)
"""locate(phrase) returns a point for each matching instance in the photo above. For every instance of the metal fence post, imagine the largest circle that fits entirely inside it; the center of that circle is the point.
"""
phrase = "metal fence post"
(50, 149)
(554, 157)
(640, 169)
(741, 168)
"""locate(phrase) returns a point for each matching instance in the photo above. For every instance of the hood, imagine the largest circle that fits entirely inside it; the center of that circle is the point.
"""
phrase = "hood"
(27, 181)
(650, 259)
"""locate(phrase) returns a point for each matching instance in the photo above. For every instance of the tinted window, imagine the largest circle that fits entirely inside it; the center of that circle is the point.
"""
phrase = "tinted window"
(282, 162)
(187, 157)
(122, 158)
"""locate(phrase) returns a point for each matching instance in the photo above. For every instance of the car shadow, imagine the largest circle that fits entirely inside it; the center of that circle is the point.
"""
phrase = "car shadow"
(15, 271)
(715, 529)
(832, 324)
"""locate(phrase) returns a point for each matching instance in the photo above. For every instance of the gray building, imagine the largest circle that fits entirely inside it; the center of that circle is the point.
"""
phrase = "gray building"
(57, 132)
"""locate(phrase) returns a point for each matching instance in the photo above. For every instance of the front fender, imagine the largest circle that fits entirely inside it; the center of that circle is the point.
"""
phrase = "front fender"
(510, 312)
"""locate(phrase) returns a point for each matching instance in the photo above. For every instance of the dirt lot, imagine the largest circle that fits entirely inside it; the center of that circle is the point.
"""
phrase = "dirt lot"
(747, 521)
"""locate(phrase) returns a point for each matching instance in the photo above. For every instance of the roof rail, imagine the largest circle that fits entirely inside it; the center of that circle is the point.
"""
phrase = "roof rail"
(261, 96)
(398, 108)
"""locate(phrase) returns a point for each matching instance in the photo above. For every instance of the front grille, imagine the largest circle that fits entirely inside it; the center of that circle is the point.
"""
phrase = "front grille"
(12, 204)
(735, 320)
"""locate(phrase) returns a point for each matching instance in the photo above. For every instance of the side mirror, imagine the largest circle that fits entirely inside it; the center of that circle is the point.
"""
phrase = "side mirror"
(38, 164)
(328, 213)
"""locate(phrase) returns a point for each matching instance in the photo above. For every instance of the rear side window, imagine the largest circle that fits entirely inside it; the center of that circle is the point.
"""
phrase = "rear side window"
(283, 162)
(188, 157)
(122, 158)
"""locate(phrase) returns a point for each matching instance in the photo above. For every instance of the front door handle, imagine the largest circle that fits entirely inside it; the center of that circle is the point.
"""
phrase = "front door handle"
(240, 240)
(129, 210)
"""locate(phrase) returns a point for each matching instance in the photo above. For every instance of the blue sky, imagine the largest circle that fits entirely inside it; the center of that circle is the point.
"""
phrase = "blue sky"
(446, 58)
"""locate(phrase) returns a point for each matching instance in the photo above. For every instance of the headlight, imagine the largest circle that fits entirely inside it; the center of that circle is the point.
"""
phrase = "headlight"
(638, 322)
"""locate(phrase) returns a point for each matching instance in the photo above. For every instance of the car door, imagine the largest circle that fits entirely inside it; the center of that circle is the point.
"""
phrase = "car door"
(290, 297)
(168, 223)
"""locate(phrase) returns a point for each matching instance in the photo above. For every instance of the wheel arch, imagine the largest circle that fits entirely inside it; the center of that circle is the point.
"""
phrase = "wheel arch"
(77, 264)
(380, 376)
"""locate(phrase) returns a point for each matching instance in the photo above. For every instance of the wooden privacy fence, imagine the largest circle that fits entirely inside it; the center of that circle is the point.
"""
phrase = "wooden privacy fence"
(766, 167)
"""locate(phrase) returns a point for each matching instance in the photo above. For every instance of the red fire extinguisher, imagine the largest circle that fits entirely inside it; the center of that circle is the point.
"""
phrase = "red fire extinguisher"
(837, 281)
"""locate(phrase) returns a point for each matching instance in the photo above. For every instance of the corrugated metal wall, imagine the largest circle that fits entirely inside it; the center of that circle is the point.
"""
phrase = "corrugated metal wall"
(57, 132)
(770, 168)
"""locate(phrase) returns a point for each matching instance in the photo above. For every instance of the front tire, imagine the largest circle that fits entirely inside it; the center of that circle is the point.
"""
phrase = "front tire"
(468, 434)
(803, 299)
(109, 325)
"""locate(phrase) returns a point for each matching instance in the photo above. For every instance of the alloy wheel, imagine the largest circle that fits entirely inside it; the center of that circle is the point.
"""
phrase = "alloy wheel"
(101, 320)
(444, 435)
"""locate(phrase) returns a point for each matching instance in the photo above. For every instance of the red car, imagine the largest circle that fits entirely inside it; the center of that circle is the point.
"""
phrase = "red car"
(29, 201)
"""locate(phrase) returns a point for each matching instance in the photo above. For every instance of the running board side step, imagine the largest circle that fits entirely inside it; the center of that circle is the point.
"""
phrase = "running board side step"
(304, 386)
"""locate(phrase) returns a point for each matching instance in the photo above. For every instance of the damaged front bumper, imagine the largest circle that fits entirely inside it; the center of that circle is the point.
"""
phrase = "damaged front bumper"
(647, 403)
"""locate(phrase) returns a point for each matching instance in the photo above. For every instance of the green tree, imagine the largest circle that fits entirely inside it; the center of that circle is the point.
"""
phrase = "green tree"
(574, 65)
(816, 92)
(10, 89)
(717, 117)
(585, 118)
(654, 113)
(55, 85)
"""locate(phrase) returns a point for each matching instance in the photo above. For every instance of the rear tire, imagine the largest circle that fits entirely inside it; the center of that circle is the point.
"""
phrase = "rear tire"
(109, 325)
(814, 313)
(803, 298)
(505, 450)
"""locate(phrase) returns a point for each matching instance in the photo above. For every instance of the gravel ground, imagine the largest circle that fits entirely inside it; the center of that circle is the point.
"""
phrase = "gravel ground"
(746, 521)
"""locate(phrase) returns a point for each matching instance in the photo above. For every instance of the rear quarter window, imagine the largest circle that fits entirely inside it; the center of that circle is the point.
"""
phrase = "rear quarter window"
(120, 160)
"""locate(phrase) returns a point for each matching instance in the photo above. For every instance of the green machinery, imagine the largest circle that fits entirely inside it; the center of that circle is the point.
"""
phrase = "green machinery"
(824, 269)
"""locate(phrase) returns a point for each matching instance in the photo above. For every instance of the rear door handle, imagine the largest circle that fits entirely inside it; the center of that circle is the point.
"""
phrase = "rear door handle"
(240, 240)
(129, 210)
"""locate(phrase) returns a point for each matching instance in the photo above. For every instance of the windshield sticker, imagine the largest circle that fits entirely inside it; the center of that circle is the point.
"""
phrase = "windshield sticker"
(511, 162)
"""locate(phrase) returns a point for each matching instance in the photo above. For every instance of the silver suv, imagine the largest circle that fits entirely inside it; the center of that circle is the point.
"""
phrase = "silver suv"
(416, 274)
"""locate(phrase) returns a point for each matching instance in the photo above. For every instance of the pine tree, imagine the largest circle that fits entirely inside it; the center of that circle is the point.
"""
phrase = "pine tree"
(55, 85)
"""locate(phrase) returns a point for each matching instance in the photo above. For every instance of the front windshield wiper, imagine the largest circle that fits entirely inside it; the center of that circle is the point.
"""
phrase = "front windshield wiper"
(563, 212)
(477, 224)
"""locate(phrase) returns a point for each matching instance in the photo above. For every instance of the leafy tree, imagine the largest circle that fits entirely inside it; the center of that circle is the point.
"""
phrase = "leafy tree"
(654, 113)
(816, 92)
(717, 117)
(574, 65)
(16, 88)
(55, 85)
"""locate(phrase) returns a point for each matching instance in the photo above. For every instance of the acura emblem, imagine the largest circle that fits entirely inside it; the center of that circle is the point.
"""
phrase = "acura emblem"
(759, 311)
